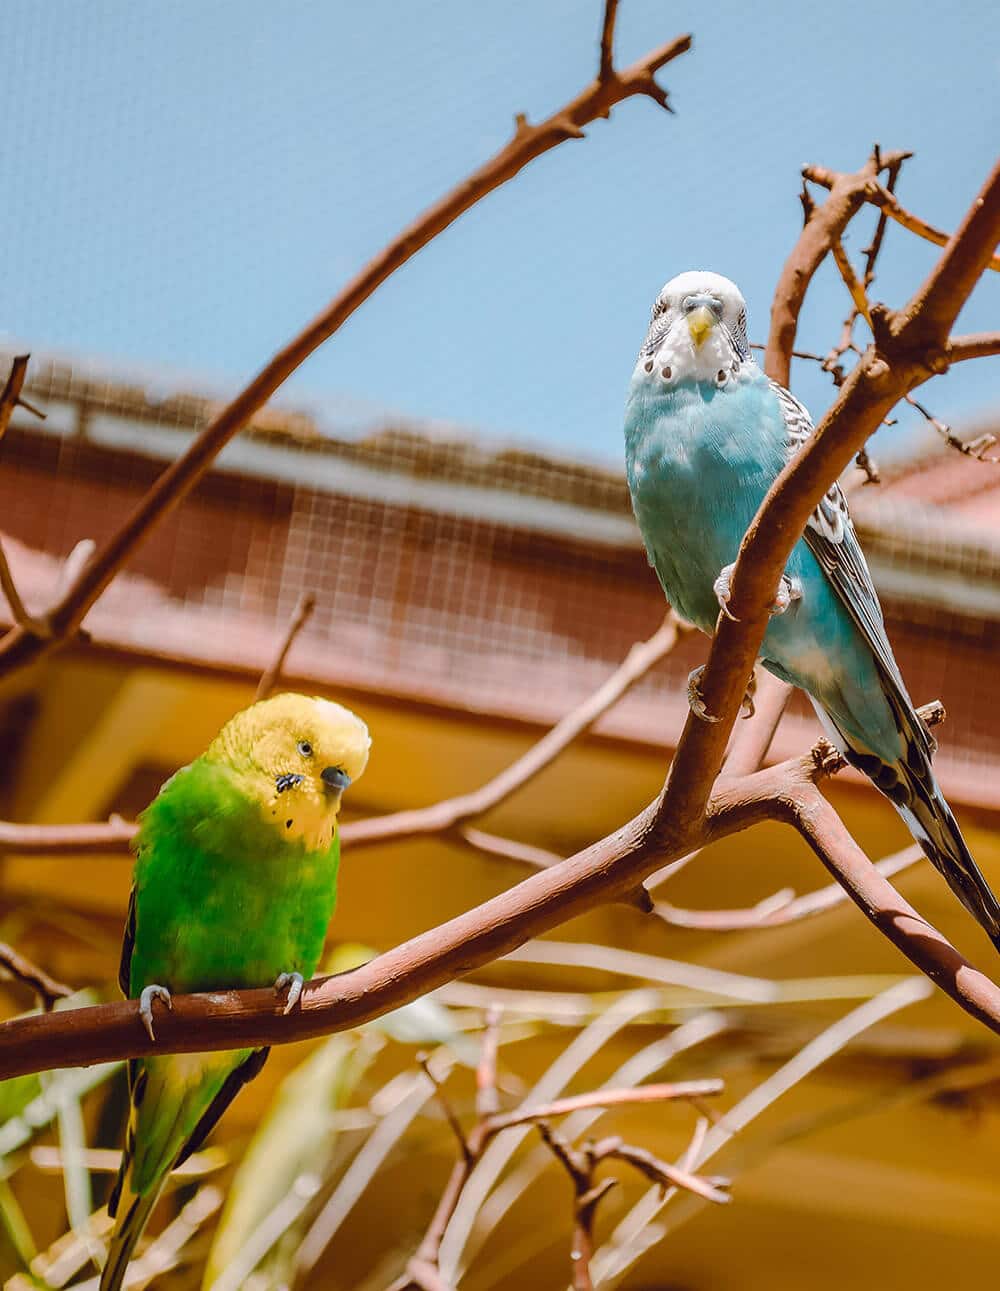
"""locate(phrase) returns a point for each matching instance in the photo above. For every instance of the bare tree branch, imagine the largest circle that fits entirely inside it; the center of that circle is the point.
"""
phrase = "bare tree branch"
(888, 202)
(823, 227)
(690, 811)
(976, 345)
(38, 628)
(609, 88)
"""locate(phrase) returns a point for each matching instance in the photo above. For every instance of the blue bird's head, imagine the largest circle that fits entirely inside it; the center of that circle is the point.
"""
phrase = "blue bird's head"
(698, 332)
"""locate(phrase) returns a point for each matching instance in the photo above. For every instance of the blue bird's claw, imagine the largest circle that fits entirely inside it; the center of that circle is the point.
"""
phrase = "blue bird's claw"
(292, 983)
(749, 707)
(722, 587)
(146, 998)
(789, 590)
(695, 701)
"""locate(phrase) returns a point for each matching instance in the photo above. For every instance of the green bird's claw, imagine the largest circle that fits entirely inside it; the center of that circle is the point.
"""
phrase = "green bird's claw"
(292, 983)
(149, 994)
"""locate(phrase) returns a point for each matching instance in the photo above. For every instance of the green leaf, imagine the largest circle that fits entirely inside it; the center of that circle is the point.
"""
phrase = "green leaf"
(14, 1229)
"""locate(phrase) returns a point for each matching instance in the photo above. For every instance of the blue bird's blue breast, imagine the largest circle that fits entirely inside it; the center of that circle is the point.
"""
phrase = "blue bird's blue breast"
(699, 460)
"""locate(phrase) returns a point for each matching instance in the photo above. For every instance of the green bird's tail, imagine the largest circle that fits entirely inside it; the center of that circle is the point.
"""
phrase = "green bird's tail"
(175, 1102)
(131, 1220)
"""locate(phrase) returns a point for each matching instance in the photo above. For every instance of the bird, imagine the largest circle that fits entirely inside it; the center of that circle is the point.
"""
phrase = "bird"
(234, 885)
(706, 434)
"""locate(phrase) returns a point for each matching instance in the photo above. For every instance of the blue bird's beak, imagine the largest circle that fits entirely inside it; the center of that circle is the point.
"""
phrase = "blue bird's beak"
(700, 322)
(335, 778)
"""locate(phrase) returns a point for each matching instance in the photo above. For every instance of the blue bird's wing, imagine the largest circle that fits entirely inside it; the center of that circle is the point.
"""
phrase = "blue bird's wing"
(831, 537)
(909, 783)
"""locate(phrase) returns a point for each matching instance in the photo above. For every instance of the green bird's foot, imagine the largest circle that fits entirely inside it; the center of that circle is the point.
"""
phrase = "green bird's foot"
(149, 994)
(292, 983)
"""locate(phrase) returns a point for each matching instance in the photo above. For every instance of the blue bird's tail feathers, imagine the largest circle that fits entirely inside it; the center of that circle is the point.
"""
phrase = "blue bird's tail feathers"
(911, 787)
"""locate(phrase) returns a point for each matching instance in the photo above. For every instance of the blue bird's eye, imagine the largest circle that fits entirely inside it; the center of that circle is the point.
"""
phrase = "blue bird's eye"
(305, 748)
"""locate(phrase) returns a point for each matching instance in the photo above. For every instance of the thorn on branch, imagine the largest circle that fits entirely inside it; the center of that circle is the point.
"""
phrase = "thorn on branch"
(808, 204)
(655, 91)
(569, 127)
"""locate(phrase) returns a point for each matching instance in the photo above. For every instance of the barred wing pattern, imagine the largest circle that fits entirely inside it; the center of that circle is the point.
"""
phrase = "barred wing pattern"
(831, 537)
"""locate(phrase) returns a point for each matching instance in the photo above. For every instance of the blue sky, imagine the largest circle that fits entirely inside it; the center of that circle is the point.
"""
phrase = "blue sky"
(186, 183)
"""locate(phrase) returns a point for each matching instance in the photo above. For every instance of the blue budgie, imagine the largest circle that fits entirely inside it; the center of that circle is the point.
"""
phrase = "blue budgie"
(706, 433)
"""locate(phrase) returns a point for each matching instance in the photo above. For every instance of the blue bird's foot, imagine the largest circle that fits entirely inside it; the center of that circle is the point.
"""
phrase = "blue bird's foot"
(722, 587)
(748, 705)
(292, 983)
(697, 704)
(146, 998)
(695, 701)
(789, 590)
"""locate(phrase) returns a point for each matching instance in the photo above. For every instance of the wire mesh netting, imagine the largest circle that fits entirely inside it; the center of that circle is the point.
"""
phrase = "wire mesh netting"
(443, 566)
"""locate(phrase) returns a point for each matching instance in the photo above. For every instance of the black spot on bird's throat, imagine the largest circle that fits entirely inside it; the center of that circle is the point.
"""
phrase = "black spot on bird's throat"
(288, 824)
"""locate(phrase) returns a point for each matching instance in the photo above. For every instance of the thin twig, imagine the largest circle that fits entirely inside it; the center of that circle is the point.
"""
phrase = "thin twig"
(661, 1172)
(445, 1104)
(37, 627)
(688, 1089)
(851, 281)
(780, 908)
(45, 987)
(447, 814)
(272, 673)
(887, 201)
(10, 396)
(441, 817)
(977, 448)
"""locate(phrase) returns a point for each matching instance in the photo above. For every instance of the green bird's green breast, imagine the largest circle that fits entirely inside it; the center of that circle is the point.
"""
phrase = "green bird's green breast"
(222, 900)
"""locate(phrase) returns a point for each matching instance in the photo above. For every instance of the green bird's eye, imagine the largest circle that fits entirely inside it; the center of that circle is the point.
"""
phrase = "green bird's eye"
(305, 748)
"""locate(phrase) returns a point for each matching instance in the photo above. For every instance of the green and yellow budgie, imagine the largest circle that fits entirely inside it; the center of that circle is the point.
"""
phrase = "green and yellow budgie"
(235, 882)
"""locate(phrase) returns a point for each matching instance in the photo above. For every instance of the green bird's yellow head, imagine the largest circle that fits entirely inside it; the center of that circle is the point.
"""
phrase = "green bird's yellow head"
(295, 755)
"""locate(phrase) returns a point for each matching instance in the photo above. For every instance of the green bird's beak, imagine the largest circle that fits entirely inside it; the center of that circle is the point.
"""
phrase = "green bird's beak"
(335, 778)
(700, 322)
